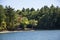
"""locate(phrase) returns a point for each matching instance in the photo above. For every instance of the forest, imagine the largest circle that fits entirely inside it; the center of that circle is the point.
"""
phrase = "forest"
(45, 18)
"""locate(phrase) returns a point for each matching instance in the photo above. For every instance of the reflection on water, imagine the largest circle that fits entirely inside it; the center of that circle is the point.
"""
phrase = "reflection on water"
(32, 35)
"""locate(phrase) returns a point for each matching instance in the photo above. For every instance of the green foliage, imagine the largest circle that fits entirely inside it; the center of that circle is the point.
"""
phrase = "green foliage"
(11, 18)
(44, 18)
(25, 22)
(33, 22)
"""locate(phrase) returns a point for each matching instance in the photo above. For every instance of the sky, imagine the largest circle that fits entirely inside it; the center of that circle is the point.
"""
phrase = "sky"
(19, 4)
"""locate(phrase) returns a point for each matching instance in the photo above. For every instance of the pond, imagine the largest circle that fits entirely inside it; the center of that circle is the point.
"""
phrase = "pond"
(32, 35)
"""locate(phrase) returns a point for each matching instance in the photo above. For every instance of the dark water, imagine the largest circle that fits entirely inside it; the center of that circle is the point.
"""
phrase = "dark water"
(32, 35)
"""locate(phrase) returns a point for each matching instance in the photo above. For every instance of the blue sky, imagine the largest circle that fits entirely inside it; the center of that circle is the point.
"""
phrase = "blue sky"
(19, 4)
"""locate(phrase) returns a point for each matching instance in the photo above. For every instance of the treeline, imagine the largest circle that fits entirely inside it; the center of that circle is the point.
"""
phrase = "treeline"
(44, 18)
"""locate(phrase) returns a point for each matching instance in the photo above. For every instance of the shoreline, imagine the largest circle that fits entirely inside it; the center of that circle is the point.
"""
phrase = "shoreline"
(14, 31)
(3, 32)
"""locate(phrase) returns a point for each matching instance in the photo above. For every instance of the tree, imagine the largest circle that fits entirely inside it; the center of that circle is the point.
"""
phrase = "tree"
(23, 10)
(28, 10)
(32, 9)
(11, 18)
(24, 22)
(2, 17)
(33, 23)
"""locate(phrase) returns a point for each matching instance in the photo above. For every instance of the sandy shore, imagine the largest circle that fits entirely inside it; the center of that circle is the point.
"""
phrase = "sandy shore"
(8, 31)
(13, 31)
